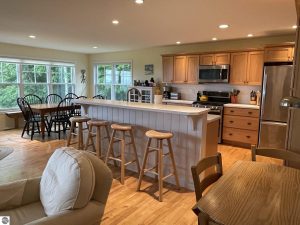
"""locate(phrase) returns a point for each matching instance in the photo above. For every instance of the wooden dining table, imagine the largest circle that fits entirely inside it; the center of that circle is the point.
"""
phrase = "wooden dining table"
(254, 193)
(44, 109)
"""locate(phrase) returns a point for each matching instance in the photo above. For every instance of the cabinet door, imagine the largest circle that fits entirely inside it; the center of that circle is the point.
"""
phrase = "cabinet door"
(255, 67)
(278, 54)
(168, 68)
(207, 59)
(179, 69)
(192, 68)
(222, 59)
(238, 70)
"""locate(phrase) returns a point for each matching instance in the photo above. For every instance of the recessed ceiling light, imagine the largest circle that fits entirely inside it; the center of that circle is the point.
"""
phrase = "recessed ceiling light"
(250, 35)
(214, 39)
(223, 26)
(115, 22)
(294, 27)
(139, 1)
(32, 36)
(95, 46)
(178, 42)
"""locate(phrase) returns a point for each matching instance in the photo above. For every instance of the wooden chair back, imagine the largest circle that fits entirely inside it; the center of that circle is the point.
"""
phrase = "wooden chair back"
(81, 97)
(99, 97)
(71, 95)
(53, 98)
(26, 110)
(33, 99)
(275, 153)
(202, 165)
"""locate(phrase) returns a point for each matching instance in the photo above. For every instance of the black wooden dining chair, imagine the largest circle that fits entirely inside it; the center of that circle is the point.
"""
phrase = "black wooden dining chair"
(98, 97)
(53, 98)
(71, 95)
(81, 97)
(61, 119)
(33, 99)
(201, 185)
(31, 118)
(275, 153)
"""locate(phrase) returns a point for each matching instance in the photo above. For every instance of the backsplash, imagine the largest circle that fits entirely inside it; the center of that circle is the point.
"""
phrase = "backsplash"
(189, 92)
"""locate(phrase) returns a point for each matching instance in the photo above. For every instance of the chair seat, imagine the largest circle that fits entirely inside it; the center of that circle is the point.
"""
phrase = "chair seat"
(79, 119)
(97, 123)
(158, 134)
(123, 127)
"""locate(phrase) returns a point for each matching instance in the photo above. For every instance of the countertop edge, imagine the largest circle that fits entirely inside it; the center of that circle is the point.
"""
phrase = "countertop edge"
(244, 106)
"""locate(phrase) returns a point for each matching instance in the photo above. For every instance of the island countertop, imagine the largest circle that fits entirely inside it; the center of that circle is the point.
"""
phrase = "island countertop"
(174, 109)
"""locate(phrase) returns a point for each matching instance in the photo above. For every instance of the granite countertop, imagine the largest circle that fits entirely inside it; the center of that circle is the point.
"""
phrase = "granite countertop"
(182, 110)
(245, 106)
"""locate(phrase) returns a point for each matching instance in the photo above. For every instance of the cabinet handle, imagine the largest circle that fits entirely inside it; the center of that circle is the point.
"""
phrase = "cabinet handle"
(230, 134)
(249, 123)
(250, 113)
(248, 136)
(230, 121)
(232, 111)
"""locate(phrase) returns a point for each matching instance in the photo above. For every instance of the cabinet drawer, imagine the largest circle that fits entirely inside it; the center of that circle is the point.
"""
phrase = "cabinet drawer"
(248, 123)
(239, 135)
(241, 112)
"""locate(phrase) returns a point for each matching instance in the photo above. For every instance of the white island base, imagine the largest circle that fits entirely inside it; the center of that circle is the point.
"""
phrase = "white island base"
(186, 123)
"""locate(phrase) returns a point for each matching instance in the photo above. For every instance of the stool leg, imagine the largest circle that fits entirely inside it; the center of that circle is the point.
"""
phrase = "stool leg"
(135, 152)
(156, 159)
(173, 163)
(144, 164)
(89, 138)
(98, 141)
(123, 158)
(70, 134)
(160, 171)
(110, 147)
(80, 136)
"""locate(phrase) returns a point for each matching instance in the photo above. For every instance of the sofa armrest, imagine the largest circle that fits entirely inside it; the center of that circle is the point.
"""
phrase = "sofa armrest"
(17, 193)
(89, 215)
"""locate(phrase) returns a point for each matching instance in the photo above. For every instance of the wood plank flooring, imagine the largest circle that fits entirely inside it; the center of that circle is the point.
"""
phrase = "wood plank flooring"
(125, 205)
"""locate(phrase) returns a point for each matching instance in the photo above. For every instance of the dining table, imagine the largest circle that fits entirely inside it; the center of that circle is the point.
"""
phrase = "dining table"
(254, 193)
(47, 108)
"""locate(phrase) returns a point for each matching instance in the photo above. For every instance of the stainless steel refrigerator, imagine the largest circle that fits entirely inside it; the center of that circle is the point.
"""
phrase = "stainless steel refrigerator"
(277, 81)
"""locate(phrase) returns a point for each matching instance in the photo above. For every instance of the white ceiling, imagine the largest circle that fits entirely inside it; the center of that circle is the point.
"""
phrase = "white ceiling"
(78, 25)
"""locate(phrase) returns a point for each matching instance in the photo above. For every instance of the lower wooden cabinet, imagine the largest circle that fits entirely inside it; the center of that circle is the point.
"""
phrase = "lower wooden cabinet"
(241, 125)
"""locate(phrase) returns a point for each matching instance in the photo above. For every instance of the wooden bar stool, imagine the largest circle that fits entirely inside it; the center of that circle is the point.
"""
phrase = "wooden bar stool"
(98, 124)
(79, 120)
(123, 129)
(159, 136)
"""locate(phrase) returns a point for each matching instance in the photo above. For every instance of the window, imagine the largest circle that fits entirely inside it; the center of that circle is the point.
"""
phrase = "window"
(113, 79)
(21, 77)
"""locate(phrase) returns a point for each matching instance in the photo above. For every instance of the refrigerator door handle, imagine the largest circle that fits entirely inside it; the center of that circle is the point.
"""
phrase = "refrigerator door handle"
(274, 123)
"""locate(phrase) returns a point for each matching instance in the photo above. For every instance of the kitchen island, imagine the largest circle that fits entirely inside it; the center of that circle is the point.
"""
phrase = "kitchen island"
(188, 125)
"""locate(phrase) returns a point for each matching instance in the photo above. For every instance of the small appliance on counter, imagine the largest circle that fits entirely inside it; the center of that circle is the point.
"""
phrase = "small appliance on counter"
(167, 92)
(253, 98)
(175, 96)
(213, 100)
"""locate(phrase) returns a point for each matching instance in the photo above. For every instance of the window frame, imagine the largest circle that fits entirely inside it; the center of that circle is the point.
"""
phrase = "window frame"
(113, 84)
(49, 84)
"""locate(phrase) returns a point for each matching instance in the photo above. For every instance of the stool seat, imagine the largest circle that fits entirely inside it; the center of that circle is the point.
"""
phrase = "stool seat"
(158, 134)
(97, 122)
(77, 119)
(123, 127)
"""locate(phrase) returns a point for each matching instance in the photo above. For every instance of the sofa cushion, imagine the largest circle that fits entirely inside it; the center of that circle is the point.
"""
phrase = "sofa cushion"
(25, 214)
(11, 194)
(67, 182)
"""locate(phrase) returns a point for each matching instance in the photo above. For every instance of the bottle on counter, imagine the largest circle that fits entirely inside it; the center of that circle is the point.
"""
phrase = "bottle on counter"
(253, 98)
(258, 97)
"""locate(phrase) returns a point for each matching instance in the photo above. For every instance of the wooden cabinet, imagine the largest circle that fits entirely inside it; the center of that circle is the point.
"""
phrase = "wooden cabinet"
(279, 54)
(247, 67)
(186, 69)
(215, 59)
(168, 68)
(241, 125)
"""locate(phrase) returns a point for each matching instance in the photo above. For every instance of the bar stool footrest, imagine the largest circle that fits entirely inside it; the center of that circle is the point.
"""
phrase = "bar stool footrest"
(171, 174)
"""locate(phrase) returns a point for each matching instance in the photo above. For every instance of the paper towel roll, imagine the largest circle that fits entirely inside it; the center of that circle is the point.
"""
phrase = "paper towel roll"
(158, 99)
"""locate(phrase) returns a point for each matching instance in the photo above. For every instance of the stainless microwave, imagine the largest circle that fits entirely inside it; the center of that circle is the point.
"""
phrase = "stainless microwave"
(214, 74)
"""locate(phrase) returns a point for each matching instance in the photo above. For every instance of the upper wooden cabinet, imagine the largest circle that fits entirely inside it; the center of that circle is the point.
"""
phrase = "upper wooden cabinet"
(168, 68)
(186, 69)
(279, 54)
(215, 59)
(247, 67)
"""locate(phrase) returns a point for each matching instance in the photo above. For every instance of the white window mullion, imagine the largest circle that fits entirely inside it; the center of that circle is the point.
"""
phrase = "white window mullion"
(20, 79)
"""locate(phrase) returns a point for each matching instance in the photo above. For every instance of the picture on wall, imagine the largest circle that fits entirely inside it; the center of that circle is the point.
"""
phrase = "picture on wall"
(149, 69)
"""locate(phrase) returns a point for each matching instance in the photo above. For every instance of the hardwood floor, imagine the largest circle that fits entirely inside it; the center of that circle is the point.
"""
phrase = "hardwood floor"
(125, 205)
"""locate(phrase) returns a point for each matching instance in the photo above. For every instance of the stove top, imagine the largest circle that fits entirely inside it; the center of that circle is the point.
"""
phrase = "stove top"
(215, 98)
(209, 103)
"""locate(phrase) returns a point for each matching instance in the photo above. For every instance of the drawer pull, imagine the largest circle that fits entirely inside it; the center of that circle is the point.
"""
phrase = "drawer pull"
(232, 111)
(230, 134)
(249, 123)
(230, 121)
(249, 113)
(248, 136)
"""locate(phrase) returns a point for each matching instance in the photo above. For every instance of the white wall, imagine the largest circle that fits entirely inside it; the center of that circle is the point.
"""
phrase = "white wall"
(142, 57)
(18, 51)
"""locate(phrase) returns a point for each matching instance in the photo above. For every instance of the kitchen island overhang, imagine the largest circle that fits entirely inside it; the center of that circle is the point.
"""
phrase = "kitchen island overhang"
(188, 125)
